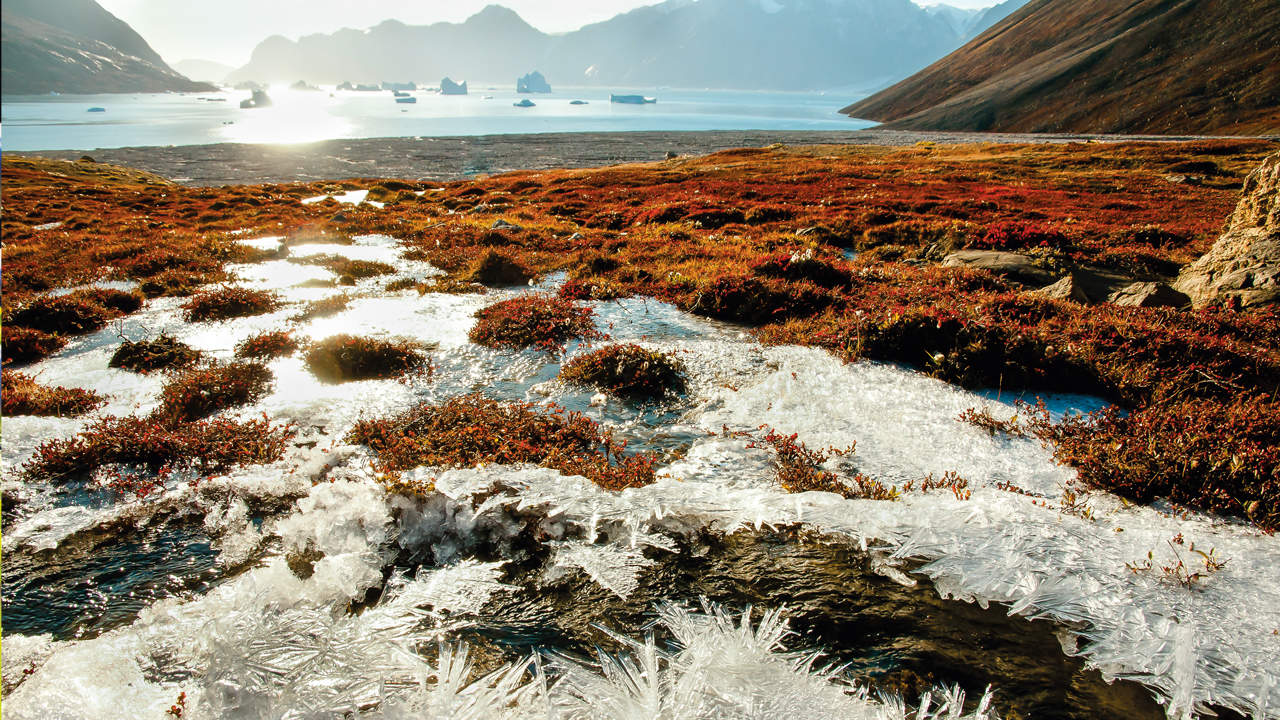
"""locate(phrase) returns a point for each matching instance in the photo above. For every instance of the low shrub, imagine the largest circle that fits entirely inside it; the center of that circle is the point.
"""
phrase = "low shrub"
(149, 445)
(627, 370)
(143, 356)
(348, 357)
(229, 302)
(117, 301)
(1021, 236)
(347, 270)
(801, 266)
(173, 283)
(324, 307)
(754, 301)
(22, 395)
(200, 392)
(540, 321)
(23, 345)
(495, 268)
(267, 345)
(469, 430)
(798, 469)
(63, 315)
(1214, 455)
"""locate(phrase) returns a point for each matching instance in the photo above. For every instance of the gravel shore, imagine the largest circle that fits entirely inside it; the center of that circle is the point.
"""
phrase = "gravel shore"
(451, 158)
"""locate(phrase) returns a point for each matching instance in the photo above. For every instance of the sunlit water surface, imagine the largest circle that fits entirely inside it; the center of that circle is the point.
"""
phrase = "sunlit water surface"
(64, 123)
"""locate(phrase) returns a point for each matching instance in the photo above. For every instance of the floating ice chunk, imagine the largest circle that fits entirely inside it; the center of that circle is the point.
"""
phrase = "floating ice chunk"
(47, 529)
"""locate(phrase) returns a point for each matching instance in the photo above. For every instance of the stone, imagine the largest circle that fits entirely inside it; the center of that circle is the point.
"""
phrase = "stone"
(501, 224)
(1243, 266)
(1148, 294)
(1065, 289)
(1012, 265)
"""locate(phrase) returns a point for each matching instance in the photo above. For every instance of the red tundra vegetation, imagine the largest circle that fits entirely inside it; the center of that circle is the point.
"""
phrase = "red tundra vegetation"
(831, 246)
(473, 429)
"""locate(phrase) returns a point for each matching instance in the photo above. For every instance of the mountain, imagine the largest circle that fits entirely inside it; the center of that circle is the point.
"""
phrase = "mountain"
(1103, 66)
(746, 44)
(75, 46)
(206, 70)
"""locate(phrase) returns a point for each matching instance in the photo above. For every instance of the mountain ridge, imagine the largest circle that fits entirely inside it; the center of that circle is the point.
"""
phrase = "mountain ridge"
(76, 46)
(710, 43)
(1095, 66)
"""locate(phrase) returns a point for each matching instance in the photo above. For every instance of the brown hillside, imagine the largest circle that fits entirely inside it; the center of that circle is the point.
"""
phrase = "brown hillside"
(1103, 66)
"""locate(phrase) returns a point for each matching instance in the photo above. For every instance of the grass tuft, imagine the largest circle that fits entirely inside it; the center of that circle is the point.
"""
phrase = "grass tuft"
(22, 395)
(349, 357)
(540, 321)
(229, 302)
(144, 356)
(472, 429)
(628, 371)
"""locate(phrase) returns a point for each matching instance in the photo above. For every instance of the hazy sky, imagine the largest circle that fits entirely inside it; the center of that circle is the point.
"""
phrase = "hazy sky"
(181, 30)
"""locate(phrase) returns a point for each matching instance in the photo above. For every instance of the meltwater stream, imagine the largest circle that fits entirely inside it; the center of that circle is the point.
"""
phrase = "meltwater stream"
(301, 589)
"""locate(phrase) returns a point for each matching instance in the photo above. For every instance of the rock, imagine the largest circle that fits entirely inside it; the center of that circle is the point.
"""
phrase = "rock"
(533, 83)
(339, 217)
(1012, 265)
(449, 87)
(1065, 289)
(672, 155)
(501, 224)
(1148, 294)
(1243, 266)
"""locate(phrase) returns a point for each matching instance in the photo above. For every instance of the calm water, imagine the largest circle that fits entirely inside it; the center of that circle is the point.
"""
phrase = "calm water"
(64, 123)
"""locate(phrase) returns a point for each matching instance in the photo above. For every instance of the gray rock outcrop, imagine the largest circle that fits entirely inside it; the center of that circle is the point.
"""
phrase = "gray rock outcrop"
(1243, 266)
(1012, 265)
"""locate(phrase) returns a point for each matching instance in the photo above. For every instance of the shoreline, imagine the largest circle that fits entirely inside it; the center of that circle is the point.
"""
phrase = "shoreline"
(460, 157)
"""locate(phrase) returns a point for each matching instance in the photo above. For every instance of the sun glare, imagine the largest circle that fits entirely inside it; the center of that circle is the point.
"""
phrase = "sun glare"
(294, 117)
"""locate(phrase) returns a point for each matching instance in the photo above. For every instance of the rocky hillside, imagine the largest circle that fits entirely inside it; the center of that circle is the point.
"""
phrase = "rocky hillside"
(75, 46)
(1140, 66)
(757, 44)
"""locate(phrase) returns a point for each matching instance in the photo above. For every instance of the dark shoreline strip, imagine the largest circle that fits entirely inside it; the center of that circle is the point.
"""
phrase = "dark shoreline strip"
(453, 158)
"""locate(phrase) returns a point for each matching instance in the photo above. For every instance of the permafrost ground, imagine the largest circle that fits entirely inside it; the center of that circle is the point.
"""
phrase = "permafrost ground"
(281, 590)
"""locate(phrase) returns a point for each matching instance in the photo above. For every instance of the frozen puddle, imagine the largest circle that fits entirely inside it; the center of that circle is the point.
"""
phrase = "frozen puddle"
(359, 601)
(353, 197)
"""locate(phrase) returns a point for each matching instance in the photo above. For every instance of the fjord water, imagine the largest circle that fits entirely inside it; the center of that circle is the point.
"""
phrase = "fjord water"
(64, 123)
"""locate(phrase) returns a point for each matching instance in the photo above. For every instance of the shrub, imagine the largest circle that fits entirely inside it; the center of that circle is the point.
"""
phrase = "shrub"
(24, 345)
(173, 283)
(1213, 455)
(348, 357)
(539, 321)
(267, 345)
(324, 307)
(1021, 236)
(469, 430)
(627, 370)
(347, 270)
(22, 395)
(753, 301)
(143, 356)
(201, 392)
(801, 266)
(495, 268)
(229, 302)
(64, 315)
(798, 469)
(149, 445)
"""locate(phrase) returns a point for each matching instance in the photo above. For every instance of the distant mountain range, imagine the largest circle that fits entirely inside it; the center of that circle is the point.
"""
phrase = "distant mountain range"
(1138, 66)
(75, 46)
(744, 44)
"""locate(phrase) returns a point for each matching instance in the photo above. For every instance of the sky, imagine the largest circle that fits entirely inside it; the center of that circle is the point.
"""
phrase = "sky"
(182, 30)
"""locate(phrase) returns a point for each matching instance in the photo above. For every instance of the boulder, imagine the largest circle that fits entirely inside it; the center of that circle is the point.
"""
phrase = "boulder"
(1065, 289)
(1243, 266)
(1012, 265)
(1148, 294)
